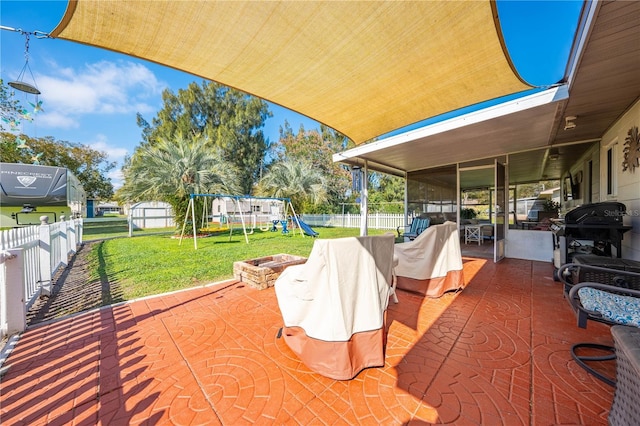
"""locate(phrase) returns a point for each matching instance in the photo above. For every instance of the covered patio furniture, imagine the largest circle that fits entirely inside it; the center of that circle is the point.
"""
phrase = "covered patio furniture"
(334, 305)
(432, 263)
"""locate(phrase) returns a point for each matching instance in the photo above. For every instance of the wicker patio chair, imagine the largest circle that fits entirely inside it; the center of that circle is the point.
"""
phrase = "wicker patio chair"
(614, 301)
(600, 269)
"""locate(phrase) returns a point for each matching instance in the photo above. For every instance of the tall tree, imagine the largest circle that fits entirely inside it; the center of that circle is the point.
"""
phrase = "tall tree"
(172, 170)
(90, 166)
(225, 117)
(387, 194)
(297, 180)
(316, 148)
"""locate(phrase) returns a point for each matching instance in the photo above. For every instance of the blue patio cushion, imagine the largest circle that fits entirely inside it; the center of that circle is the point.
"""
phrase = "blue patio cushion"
(613, 307)
(414, 226)
(422, 225)
(418, 225)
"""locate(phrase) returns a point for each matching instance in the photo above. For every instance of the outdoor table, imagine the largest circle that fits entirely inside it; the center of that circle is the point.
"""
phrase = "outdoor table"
(473, 233)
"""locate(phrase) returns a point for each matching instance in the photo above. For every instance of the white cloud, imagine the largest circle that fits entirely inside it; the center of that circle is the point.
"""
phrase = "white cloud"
(101, 143)
(57, 120)
(104, 87)
(117, 178)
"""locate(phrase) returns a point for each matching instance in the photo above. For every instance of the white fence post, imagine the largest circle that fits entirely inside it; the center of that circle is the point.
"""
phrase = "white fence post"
(45, 256)
(64, 242)
(79, 223)
(71, 232)
(14, 312)
(28, 258)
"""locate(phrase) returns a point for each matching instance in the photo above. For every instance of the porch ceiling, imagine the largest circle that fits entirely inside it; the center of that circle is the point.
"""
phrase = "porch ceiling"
(516, 126)
(601, 84)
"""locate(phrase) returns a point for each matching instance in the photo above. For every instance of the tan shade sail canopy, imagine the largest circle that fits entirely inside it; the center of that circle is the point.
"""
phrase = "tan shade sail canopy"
(363, 68)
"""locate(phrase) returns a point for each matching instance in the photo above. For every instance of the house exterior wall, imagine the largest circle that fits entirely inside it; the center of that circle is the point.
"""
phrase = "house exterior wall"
(627, 183)
(247, 206)
(595, 184)
(586, 187)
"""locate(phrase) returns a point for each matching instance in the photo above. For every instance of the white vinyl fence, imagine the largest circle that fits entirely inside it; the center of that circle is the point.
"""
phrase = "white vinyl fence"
(29, 258)
(374, 220)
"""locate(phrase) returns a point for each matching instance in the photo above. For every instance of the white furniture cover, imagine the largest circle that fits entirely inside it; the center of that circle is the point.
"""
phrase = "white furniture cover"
(432, 263)
(334, 305)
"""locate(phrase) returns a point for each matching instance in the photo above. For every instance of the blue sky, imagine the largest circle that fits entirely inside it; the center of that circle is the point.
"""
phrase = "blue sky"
(91, 96)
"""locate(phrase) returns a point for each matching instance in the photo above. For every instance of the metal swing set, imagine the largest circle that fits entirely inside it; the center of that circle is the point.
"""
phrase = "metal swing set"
(246, 220)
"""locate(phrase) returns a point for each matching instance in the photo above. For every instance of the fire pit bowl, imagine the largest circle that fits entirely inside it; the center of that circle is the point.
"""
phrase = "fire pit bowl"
(261, 273)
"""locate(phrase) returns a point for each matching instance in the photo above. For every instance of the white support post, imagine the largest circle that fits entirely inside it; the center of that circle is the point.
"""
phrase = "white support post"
(205, 214)
(406, 200)
(295, 216)
(45, 256)
(244, 227)
(15, 312)
(193, 224)
(184, 223)
(364, 198)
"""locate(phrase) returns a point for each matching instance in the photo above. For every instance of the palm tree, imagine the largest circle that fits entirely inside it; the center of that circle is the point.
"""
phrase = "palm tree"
(296, 180)
(172, 170)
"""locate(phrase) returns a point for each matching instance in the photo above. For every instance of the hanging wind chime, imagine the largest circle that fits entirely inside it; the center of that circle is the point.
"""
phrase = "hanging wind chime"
(20, 84)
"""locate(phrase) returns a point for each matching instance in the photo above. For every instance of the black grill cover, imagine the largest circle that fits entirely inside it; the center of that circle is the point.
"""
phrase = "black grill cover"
(605, 213)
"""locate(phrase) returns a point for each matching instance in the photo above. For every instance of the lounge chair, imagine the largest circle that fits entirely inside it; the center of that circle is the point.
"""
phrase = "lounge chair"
(432, 263)
(334, 305)
(417, 226)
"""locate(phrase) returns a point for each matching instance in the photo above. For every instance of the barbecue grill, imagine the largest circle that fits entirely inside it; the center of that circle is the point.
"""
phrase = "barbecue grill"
(590, 229)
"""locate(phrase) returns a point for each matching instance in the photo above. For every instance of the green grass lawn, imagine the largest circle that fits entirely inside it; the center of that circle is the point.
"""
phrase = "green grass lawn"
(155, 264)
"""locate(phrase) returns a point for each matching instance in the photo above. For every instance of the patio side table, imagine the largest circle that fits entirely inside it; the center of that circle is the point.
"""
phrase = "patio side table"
(473, 233)
(625, 409)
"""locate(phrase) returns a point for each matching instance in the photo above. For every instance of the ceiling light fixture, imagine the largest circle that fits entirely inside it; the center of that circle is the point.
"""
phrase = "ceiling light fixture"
(554, 154)
(569, 122)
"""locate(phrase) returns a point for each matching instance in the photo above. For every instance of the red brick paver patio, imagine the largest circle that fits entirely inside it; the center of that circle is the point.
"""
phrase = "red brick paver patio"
(496, 353)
